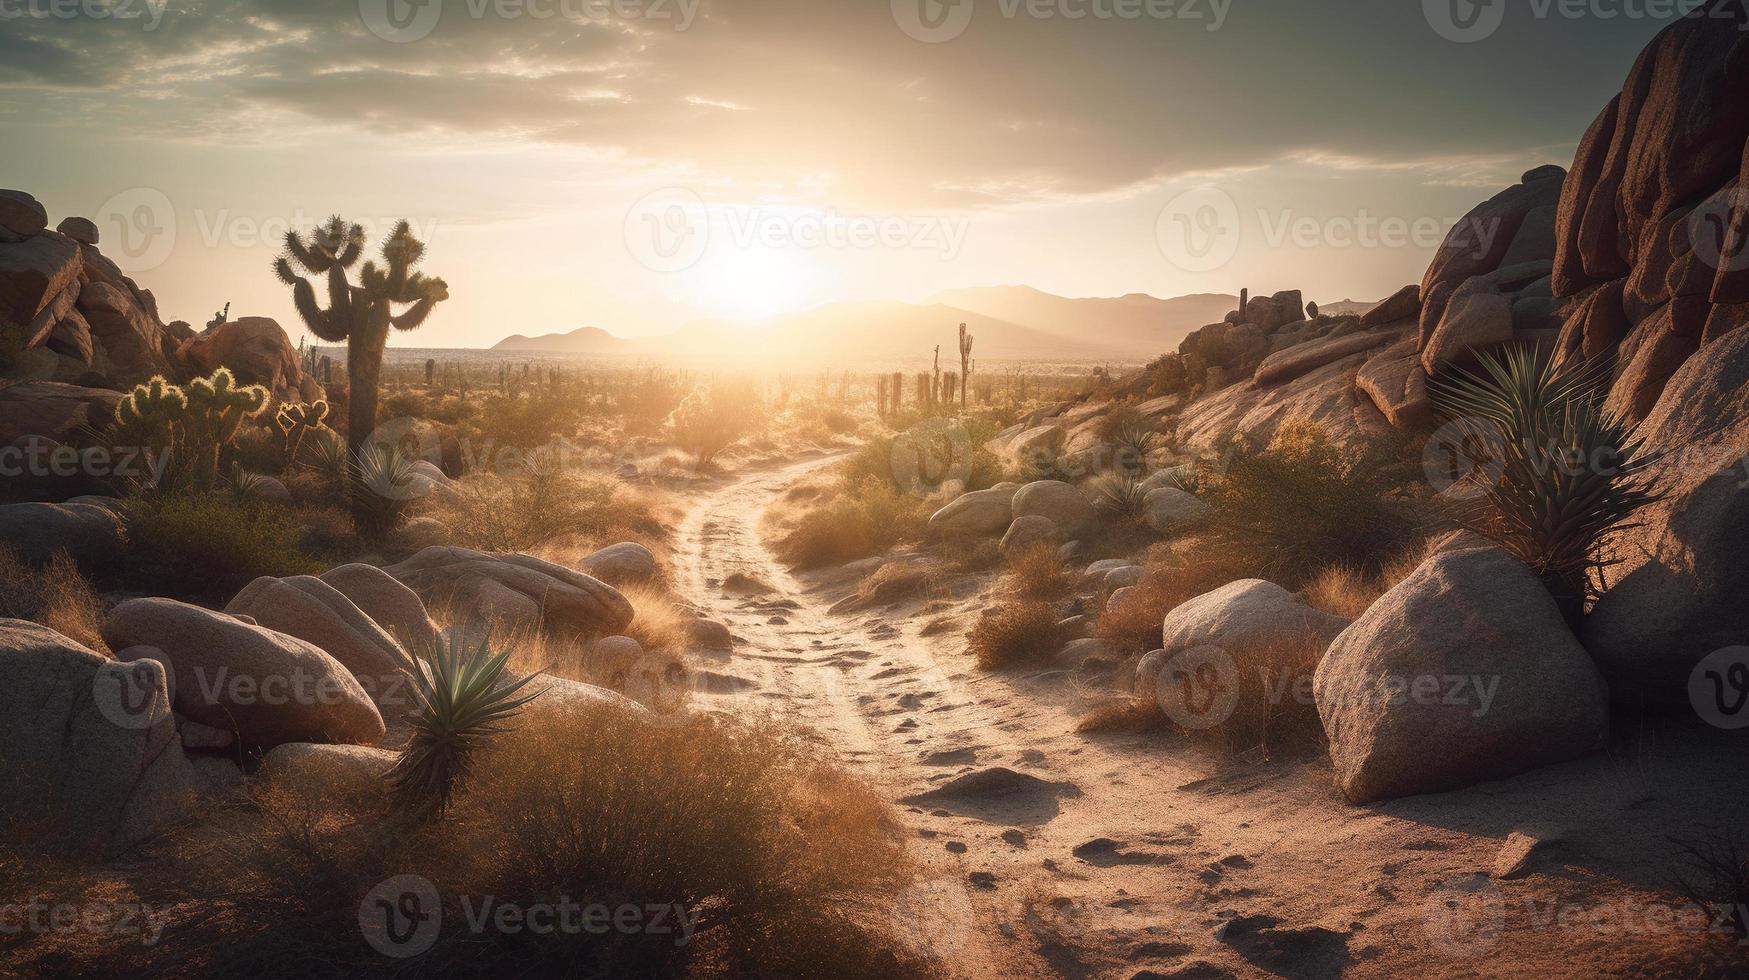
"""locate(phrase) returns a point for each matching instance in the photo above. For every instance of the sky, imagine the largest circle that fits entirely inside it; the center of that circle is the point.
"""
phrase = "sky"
(636, 164)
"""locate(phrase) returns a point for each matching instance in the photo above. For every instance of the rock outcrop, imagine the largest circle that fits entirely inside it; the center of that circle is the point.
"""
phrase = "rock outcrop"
(626, 563)
(387, 602)
(982, 512)
(257, 351)
(1464, 672)
(1067, 508)
(90, 534)
(312, 610)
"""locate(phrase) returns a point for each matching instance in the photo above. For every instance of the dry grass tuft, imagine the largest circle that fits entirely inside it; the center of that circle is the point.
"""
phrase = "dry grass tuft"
(543, 508)
(1014, 633)
(1038, 573)
(657, 623)
(1170, 578)
(864, 518)
(56, 596)
(783, 864)
(898, 581)
(1124, 714)
(1348, 592)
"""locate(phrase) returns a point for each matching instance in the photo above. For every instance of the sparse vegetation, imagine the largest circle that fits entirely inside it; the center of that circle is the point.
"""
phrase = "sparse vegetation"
(1014, 633)
(864, 518)
(1039, 573)
(56, 595)
(710, 419)
(207, 546)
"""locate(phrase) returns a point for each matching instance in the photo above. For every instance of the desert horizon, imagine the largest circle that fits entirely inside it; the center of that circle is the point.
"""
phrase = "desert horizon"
(719, 489)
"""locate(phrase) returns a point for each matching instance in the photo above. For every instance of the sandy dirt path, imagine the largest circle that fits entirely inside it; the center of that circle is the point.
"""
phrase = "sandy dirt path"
(1052, 854)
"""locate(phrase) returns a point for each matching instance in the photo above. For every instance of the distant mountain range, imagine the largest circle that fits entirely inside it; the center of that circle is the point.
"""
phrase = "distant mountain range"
(1009, 323)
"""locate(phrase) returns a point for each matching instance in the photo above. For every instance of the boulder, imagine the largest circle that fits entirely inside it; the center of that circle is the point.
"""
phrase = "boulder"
(980, 512)
(1263, 313)
(310, 609)
(1678, 589)
(1290, 305)
(1535, 240)
(1480, 241)
(35, 274)
(626, 563)
(708, 635)
(48, 408)
(1465, 672)
(1064, 506)
(21, 216)
(81, 230)
(519, 592)
(131, 338)
(1170, 510)
(91, 535)
(1395, 382)
(560, 696)
(91, 745)
(255, 348)
(1301, 359)
(1404, 304)
(1030, 531)
(1324, 396)
(267, 687)
(1246, 615)
(387, 602)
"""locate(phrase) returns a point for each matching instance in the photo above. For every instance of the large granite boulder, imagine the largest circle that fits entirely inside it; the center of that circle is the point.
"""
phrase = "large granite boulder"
(310, 609)
(21, 216)
(1170, 510)
(1030, 531)
(88, 533)
(984, 512)
(387, 602)
(1678, 588)
(34, 275)
(626, 563)
(1400, 306)
(1302, 359)
(1480, 241)
(516, 592)
(257, 351)
(131, 338)
(266, 687)
(1245, 615)
(1064, 506)
(52, 410)
(91, 744)
(1464, 672)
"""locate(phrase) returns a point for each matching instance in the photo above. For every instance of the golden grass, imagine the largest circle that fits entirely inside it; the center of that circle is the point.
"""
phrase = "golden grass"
(783, 864)
(56, 596)
(1124, 713)
(1012, 633)
(1171, 577)
(1038, 573)
(528, 512)
(862, 518)
(657, 623)
(1349, 592)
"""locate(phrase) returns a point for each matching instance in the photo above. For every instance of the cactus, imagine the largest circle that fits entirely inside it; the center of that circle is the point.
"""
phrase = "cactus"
(965, 364)
(217, 408)
(297, 421)
(152, 413)
(360, 314)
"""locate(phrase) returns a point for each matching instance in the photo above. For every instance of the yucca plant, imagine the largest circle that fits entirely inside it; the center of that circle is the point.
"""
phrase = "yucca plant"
(1119, 495)
(464, 697)
(1560, 473)
(379, 486)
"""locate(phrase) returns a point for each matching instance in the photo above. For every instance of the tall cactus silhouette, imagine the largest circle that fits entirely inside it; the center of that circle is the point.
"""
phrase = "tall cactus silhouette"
(359, 314)
(965, 364)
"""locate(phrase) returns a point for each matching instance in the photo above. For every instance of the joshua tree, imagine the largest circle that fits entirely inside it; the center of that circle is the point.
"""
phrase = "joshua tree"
(360, 314)
(965, 364)
(297, 421)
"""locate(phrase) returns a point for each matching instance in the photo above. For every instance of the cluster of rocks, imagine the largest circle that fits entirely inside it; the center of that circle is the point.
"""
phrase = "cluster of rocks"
(84, 331)
(1051, 512)
(309, 674)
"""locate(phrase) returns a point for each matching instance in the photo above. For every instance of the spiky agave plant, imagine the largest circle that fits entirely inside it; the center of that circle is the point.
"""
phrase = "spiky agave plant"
(464, 698)
(1561, 472)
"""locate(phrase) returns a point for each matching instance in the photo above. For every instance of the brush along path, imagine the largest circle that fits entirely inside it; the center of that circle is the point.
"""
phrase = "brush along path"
(1044, 852)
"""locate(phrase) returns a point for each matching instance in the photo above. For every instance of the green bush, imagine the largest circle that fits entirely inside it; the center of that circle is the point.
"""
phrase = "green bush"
(207, 546)
(1303, 503)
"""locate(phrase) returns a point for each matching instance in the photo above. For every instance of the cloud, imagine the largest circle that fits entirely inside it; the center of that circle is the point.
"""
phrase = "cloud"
(792, 94)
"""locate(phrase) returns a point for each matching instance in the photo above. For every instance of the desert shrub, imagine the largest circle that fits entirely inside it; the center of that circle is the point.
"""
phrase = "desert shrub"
(1123, 713)
(864, 518)
(526, 511)
(1133, 435)
(207, 546)
(657, 623)
(56, 596)
(403, 404)
(1563, 473)
(1170, 578)
(783, 864)
(897, 581)
(1013, 633)
(1714, 874)
(526, 420)
(1303, 503)
(1038, 573)
(1348, 592)
(650, 398)
(1167, 375)
(1118, 497)
(710, 419)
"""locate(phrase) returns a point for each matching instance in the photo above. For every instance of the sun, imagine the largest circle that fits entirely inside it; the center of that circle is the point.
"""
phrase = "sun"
(749, 283)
